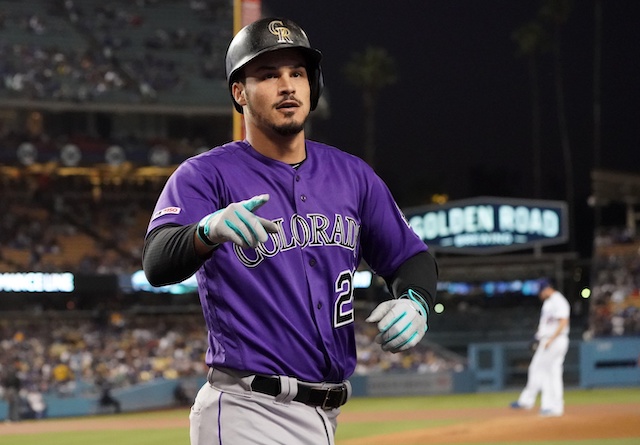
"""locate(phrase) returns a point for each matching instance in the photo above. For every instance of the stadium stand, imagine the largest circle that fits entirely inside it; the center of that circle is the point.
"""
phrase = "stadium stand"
(615, 308)
(127, 52)
(615, 300)
(60, 217)
(69, 354)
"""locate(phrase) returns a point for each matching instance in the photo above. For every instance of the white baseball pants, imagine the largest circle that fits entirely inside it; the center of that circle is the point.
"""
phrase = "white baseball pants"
(545, 376)
(227, 412)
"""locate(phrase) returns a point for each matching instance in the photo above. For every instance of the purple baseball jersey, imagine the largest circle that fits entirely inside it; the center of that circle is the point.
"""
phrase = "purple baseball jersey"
(286, 307)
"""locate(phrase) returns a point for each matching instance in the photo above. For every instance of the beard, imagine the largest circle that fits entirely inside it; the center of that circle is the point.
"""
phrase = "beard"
(289, 129)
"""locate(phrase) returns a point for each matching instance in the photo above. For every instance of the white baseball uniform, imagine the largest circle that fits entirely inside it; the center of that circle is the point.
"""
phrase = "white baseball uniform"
(547, 365)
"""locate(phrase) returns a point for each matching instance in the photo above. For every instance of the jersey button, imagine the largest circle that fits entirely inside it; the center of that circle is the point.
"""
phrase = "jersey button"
(312, 262)
(319, 306)
(303, 198)
(297, 178)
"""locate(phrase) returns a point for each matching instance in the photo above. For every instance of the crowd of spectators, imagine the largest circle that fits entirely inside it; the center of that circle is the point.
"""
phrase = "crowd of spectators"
(46, 73)
(69, 357)
(91, 220)
(123, 50)
(88, 357)
(38, 68)
(115, 47)
(59, 226)
(61, 354)
(422, 359)
(66, 357)
(615, 306)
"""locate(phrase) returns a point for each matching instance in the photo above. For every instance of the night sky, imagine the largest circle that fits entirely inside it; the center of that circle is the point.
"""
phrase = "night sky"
(458, 120)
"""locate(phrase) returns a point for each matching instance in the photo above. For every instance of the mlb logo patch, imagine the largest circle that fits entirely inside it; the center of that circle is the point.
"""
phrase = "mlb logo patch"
(166, 211)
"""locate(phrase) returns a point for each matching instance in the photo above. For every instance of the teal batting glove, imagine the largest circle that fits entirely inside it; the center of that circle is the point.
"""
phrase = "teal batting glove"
(402, 323)
(237, 223)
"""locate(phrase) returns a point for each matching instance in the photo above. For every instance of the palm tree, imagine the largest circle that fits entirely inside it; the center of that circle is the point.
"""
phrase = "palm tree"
(370, 71)
(556, 13)
(532, 40)
(597, 99)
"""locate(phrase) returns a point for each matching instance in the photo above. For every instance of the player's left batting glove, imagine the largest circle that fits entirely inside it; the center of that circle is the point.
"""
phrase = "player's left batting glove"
(402, 322)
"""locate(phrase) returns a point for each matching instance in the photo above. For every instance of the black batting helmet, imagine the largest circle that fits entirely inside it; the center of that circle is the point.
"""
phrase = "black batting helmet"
(271, 34)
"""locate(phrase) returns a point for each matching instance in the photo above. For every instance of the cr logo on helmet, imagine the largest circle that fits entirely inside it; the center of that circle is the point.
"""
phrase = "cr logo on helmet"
(278, 29)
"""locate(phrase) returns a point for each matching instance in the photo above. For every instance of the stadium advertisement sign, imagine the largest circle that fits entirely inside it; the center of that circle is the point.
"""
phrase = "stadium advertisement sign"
(490, 225)
(37, 282)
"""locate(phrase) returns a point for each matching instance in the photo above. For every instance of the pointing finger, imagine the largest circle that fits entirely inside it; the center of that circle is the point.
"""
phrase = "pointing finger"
(256, 202)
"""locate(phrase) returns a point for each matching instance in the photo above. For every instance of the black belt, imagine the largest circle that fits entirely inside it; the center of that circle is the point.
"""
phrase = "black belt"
(327, 398)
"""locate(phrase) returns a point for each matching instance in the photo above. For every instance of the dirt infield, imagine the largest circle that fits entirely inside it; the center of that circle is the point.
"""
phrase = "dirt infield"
(489, 426)
(482, 426)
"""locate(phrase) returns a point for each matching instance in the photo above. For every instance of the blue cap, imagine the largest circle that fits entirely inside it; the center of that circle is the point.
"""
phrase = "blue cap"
(544, 283)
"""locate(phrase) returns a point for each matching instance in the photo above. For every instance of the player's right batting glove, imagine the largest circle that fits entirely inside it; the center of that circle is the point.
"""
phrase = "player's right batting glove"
(402, 323)
(237, 223)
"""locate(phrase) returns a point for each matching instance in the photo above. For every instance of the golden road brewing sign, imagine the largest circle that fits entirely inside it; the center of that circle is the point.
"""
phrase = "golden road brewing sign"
(488, 225)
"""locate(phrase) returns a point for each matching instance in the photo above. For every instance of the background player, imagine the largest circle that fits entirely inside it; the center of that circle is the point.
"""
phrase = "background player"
(276, 226)
(547, 365)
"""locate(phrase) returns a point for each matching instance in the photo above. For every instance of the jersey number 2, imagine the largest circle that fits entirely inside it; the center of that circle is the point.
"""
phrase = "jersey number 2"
(343, 310)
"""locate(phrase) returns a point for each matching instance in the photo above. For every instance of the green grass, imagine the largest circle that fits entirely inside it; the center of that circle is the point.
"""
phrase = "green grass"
(346, 430)
(180, 436)
(173, 436)
(487, 400)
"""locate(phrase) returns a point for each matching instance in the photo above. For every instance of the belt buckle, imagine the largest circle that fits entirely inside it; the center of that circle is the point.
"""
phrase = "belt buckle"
(337, 389)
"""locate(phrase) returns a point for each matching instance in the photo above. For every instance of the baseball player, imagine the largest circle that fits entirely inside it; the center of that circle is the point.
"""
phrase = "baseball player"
(275, 226)
(546, 367)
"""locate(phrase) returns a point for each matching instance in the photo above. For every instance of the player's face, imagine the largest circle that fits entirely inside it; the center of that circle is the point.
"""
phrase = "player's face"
(545, 293)
(277, 92)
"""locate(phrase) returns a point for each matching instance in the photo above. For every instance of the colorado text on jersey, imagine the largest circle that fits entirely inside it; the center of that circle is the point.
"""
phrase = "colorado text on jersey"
(314, 230)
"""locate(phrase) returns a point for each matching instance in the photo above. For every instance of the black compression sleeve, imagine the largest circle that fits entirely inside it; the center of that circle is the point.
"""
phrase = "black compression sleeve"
(169, 255)
(420, 273)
